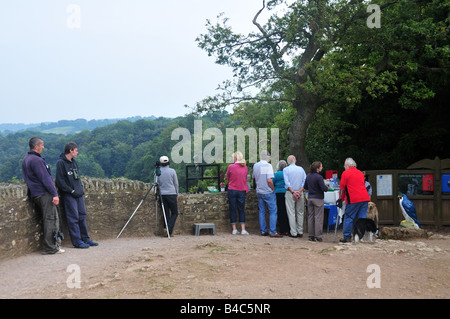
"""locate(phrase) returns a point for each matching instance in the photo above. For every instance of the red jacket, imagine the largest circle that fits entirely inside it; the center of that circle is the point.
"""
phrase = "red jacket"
(352, 186)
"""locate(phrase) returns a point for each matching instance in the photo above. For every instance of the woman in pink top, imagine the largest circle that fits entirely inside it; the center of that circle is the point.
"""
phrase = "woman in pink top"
(237, 189)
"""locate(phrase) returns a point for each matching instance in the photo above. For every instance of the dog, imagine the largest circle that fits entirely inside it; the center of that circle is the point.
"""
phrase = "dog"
(362, 226)
(372, 213)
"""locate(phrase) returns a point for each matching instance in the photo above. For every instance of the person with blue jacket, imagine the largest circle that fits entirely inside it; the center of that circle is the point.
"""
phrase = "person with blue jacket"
(280, 191)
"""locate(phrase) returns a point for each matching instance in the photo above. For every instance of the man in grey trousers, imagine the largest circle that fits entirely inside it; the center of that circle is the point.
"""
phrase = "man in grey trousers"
(42, 192)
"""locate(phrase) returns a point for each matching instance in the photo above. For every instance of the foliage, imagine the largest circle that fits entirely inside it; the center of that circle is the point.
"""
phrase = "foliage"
(334, 87)
(124, 149)
(346, 82)
(67, 127)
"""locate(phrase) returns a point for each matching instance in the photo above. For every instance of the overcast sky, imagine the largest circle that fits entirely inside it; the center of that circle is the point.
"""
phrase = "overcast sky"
(121, 58)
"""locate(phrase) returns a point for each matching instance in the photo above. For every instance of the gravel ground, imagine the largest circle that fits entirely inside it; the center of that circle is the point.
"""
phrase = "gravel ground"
(234, 266)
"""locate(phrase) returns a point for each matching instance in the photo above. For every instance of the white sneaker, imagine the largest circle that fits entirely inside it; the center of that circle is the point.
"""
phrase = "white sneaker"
(244, 232)
(60, 251)
(235, 232)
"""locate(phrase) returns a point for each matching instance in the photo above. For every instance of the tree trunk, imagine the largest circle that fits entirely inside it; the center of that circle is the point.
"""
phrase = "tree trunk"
(297, 134)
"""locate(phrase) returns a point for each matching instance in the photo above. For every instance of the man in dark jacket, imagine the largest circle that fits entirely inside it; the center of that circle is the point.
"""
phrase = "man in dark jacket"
(71, 190)
(42, 192)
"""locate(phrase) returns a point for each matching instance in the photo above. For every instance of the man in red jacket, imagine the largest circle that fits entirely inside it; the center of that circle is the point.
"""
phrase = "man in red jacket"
(354, 192)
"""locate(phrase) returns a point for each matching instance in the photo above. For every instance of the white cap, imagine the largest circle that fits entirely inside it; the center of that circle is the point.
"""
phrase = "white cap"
(164, 159)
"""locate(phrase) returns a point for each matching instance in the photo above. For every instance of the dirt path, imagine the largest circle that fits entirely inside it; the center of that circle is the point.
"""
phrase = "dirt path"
(226, 266)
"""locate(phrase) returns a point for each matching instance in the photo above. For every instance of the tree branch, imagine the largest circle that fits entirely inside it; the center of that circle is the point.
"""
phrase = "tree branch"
(275, 53)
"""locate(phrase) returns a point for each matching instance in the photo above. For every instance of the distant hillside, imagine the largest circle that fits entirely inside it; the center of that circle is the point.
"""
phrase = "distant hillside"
(16, 127)
(127, 148)
(66, 127)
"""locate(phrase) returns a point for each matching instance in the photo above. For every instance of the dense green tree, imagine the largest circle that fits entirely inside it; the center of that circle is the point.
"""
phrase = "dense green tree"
(400, 90)
(323, 55)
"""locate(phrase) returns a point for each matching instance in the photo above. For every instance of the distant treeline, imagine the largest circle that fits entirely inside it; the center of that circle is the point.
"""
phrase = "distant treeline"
(378, 135)
(123, 149)
(64, 126)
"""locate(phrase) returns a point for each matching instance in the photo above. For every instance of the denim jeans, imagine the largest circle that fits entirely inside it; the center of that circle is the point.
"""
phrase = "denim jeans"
(236, 200)
(353, 212)
(269, 201)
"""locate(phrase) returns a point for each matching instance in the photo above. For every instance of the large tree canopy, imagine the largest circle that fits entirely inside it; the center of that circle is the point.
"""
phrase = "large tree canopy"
(323, 55)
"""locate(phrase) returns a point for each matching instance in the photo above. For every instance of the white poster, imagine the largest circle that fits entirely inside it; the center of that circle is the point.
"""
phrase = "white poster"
(384, 185)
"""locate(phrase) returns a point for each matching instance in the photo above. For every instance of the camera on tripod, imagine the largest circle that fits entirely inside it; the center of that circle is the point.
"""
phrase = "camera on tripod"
(158, 168)
(163, 161)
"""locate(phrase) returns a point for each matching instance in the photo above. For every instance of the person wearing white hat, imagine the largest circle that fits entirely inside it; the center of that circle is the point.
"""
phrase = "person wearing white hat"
(168, 187)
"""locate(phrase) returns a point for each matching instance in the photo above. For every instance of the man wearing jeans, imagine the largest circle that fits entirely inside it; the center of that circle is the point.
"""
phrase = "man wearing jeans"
(354, 192)
(263, 174)
(294, 181)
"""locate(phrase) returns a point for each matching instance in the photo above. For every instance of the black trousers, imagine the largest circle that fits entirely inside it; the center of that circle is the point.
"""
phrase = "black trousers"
(170, 203)
(283, 221)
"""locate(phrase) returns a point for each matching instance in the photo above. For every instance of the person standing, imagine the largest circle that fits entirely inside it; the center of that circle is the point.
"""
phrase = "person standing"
(353, 191)
(237, 190)
(168, 187)
(43, 193)
(263, 174)
(71, 190)
(316, 187)
(294, 180)
(280, 191)
(367, 184)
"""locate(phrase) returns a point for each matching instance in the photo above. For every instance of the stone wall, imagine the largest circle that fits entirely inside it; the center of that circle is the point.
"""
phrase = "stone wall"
(109, 204)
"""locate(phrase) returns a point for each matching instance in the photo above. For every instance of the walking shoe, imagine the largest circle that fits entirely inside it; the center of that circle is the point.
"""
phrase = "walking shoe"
(345, 240)
(235, 232)
(60, 251)
(276, 235)
(244, 232)
(81, 245)
(312, 238)
(91, 243)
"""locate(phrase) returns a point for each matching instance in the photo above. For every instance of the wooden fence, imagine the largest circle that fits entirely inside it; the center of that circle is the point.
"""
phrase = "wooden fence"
(426, 183)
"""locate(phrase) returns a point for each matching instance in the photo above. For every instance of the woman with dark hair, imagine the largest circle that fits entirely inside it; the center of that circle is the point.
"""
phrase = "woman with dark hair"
(316, 187)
